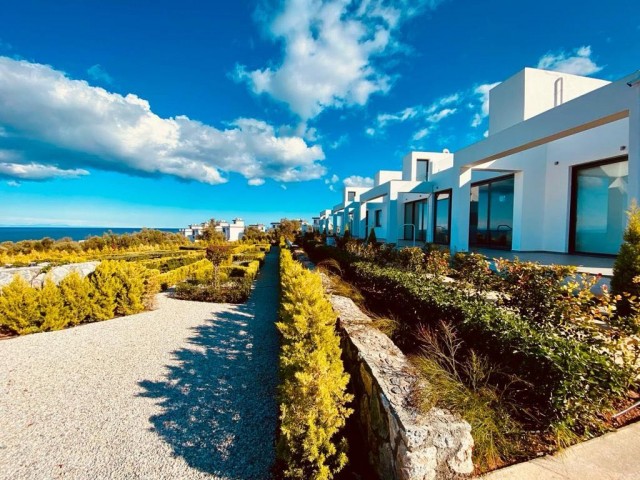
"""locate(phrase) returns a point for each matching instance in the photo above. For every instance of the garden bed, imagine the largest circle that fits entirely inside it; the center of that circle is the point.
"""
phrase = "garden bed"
(524, 354)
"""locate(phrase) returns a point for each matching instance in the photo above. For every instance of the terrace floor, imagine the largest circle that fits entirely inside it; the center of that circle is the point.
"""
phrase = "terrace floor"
(591, 264)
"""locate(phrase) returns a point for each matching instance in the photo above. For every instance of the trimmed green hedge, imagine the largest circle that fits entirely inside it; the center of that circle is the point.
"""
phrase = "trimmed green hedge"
(570, 383)
(312, 394)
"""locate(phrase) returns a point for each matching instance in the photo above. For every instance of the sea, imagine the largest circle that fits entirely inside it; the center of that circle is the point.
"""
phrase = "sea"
(15, 234)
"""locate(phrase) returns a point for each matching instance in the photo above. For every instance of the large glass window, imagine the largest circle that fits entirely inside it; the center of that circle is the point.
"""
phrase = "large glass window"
(415, 220)
(378, 218)
(351, 196)
(442, 218)
(491, 216)
(422, 170)
(600, 202)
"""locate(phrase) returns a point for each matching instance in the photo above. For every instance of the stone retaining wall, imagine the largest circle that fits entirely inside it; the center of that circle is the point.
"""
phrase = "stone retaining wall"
(35, 275)
(403, 444)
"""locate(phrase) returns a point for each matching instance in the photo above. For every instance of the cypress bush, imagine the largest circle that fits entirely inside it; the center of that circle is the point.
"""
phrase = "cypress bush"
(51, 305)
(115, 288)
(77, 294)
(626, 269)
(312, 395)
(19, 311)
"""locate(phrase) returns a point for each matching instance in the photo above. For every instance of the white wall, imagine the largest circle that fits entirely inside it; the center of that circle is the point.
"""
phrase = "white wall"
(384, 176)
(532, 91)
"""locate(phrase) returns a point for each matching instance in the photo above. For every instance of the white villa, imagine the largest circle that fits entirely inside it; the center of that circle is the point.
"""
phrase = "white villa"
(556, 173)
(232, 231)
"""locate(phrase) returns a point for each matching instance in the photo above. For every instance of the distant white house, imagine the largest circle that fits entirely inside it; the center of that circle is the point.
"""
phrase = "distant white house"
(193, 231)
(258, 226)
(556, 173)
(232, 231)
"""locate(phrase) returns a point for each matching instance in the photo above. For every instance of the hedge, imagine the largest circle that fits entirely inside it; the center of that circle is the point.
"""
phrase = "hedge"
(570, 384)
(312, 394)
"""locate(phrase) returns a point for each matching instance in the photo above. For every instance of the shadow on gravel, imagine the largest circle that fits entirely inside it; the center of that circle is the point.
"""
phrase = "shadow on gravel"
(218, 402)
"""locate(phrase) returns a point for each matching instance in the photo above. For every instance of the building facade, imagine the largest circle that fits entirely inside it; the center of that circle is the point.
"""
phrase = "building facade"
(556, 172)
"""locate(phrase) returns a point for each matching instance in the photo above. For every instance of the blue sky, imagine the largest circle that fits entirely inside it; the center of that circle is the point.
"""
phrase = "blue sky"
(163, 113)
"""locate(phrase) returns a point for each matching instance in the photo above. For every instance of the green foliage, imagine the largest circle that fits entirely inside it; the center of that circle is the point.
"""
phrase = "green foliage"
(210, 235)
(473, 270)
(217, 255)
(77, 294)
(312, 394)
(19, 312)
(460, 380)
(235, 290)
(626, 269)
(287, 229)
(412, 259)
(571, 381)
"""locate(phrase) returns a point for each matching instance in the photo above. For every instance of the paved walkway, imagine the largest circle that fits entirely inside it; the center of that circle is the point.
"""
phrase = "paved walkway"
(615, 456)
(186, 391)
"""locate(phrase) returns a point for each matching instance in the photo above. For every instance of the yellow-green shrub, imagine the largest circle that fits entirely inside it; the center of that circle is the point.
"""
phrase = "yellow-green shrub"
(77, 293)
(201, 270)
(19, 307)
(121, 288)
(312, 395)
(51, 306)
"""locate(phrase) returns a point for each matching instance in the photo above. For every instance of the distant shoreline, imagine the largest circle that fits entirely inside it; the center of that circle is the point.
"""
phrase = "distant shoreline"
(17, 234)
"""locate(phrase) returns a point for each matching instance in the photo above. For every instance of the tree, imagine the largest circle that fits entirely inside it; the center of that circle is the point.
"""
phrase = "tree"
(255, 235)
(288, 229)
(217, 254)
(210, 234)
(372, 240)
(626, 269)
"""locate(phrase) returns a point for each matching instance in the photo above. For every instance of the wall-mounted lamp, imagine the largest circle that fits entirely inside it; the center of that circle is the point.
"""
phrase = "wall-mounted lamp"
(635, 80)
(556, 163)
(623, 148)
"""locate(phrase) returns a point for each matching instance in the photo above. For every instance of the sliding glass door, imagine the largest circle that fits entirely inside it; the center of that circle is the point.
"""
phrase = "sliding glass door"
(415, 220)
(442, 218)
(491, 215)
(599, 203)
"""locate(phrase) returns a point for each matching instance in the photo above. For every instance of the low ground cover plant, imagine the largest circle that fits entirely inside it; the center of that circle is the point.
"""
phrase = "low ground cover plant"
(312, 395)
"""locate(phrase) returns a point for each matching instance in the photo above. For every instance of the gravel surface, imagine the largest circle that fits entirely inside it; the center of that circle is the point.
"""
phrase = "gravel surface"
(186, 391)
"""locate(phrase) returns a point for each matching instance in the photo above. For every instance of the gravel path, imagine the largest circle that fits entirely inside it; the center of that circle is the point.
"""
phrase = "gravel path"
(186, 391)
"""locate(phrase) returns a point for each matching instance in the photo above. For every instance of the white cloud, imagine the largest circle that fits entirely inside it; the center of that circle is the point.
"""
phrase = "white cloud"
(578, 62)
(441, 115)
(329, 52)
(256, 182)
(13, 183)
(370, 132)
(99, 74)
(334, 179)
(431, 114)
(420, 134)
(67, 126)
(358, 181)
(408, 113)
(482, 93)
(37, 171)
